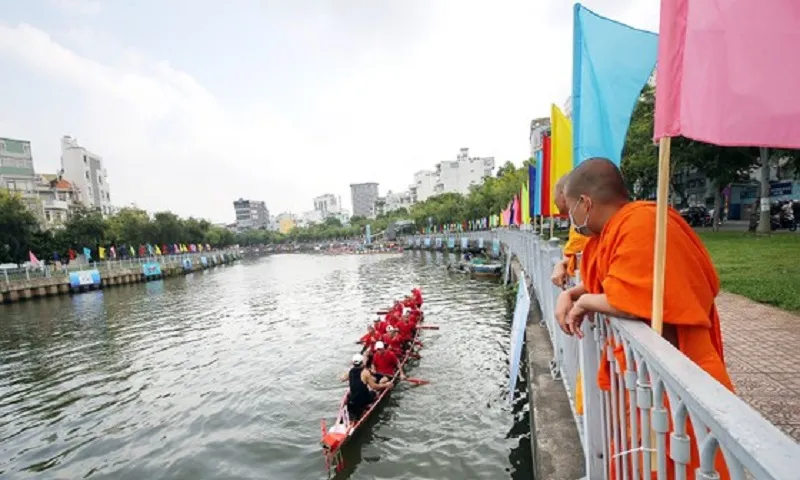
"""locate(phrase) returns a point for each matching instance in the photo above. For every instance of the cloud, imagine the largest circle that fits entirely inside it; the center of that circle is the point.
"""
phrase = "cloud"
(156, 123)
(80, 7)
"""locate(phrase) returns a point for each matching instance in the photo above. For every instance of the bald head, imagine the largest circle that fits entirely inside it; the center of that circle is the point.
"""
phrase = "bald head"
(558, 195)
(598, 179)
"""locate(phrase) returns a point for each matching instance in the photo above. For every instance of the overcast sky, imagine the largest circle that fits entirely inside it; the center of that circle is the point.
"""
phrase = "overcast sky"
(194, 103)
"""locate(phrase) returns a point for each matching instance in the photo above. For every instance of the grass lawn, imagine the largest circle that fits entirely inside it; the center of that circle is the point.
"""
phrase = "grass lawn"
(765, 269)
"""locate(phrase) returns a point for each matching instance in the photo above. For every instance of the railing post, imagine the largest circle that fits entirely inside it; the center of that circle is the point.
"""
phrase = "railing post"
(593, 431)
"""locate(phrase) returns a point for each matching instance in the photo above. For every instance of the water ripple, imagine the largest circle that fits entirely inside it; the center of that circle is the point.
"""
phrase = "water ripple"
(226, 373)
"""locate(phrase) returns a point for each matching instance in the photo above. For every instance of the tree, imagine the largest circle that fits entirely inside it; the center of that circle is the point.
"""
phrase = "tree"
(85, 228)
(18, 226)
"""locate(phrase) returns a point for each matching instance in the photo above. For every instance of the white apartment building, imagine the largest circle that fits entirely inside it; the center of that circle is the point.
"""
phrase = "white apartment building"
(58, 197)
(456, 176)
(328, 203)
(86, 172)
(539, 126)
(392, 201)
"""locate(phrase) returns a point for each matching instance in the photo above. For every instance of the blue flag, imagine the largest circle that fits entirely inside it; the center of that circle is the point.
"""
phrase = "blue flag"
(88, 254)
(537, 199)
(611, 63)
(531, 190)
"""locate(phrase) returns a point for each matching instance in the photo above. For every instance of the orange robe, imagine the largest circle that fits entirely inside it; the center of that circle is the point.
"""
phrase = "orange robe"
(621, 267)
(575, 244)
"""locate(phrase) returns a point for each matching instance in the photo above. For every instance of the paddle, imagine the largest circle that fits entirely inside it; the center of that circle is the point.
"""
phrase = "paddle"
(428, 327)
(417, 381)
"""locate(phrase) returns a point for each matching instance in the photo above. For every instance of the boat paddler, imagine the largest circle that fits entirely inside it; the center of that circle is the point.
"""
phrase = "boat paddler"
(380, 326)
(363, 386)
(393, 340)
(386, 362)
(417, 294)
(369, 339)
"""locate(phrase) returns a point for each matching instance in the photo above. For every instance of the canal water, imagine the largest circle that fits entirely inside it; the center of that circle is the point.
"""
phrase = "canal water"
(225, 374)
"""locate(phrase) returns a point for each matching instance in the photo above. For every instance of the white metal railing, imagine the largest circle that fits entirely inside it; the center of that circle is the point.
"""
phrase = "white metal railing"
(625, 430)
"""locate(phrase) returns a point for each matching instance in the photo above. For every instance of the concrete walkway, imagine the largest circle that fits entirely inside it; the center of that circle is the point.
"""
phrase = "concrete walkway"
(762, 351)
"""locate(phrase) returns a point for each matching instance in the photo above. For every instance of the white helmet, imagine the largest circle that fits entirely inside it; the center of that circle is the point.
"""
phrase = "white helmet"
(379, 345)
(358, 359)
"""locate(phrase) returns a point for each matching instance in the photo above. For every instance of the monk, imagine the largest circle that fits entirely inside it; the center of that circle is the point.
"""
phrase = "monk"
(617, 275)
(566, 268)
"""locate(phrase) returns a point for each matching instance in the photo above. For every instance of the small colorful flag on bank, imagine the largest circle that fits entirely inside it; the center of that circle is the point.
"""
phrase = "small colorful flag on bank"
(87, 254)
(101, 253)
(34, 261)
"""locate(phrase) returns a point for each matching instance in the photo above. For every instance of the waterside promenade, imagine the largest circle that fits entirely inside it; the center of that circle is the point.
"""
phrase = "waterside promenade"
(757, 429)
(24, 284)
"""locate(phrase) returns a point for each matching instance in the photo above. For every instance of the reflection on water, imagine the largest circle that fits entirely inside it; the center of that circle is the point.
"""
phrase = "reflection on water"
(226, 374)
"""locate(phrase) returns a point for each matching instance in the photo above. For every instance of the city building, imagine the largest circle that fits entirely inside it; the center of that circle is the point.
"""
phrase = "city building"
(364, 196)
(539, 126)
(17, 173)
(86, 172)
(251, 214)
(452, 176)
(57, 197)
(424, 185)
(392, 202)
(328, 204)
(286, 222)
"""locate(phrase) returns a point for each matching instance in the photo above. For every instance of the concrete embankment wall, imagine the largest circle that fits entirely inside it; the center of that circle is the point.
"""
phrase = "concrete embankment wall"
(59, 282)
(557, 451)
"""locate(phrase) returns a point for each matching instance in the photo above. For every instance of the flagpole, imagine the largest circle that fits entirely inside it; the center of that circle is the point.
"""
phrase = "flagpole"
(660, 255)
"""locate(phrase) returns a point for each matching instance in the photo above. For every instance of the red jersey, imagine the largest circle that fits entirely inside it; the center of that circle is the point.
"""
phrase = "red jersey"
(369, 339)
(380, 327)
(417, 296)
(405, 329)
(385, 362)
(394, 343)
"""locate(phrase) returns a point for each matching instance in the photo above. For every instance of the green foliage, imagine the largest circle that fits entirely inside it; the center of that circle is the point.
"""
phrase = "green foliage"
(20, 232)
(761, 268)
(17, 228)
(486, 199)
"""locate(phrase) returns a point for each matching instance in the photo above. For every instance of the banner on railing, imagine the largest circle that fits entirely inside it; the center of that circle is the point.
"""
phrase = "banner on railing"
(428, 242)
(410, 241)
(480, 242)
(84, 278)
(204, 262)
(496, 247)
(464, 243)
(518, 334)
(451, 243)
(438, 243)
(151, 269)
(419, 242)
(187, 263)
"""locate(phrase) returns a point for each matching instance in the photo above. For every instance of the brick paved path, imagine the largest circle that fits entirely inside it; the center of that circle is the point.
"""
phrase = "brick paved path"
(762, 351)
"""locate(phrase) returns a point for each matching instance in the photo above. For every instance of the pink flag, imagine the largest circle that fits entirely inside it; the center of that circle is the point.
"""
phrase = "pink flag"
(34, 261)
(728, 72)
(113, 252)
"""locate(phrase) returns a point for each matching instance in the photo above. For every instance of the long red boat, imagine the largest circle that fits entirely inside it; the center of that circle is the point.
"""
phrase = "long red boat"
(337, 436)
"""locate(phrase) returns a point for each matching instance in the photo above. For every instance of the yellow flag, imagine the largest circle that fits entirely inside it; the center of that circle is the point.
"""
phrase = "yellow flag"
(561, 159)
(525, 205)
(158, 250)
(199, 247)
(101, 253)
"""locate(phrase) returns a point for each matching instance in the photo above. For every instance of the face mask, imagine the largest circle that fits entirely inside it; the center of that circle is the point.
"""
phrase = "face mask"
(580, 229)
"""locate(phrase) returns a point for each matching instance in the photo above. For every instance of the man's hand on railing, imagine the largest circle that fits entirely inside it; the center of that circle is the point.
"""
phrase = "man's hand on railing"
(564, 304)
(560, 277)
